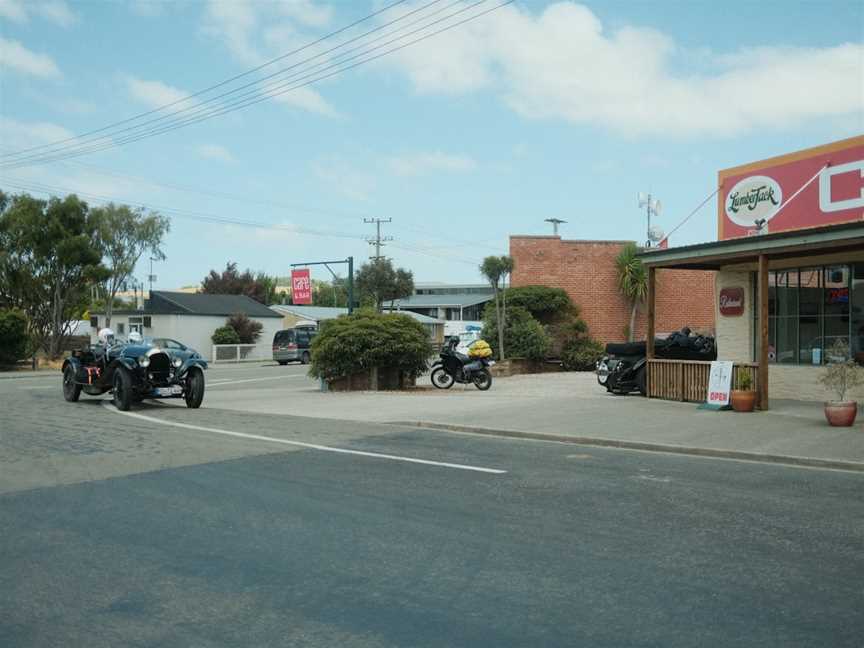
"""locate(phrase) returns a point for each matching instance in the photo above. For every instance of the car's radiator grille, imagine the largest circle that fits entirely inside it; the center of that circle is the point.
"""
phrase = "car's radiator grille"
(160, 365)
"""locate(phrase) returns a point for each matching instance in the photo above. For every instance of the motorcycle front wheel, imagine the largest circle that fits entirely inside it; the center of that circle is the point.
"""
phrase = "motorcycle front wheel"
(482, 379)
(441, 379)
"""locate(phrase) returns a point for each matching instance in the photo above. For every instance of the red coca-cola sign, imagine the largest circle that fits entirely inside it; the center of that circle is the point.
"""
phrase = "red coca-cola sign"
(731, 302)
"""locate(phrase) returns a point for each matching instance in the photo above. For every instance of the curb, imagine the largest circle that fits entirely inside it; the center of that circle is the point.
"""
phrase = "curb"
(715, 453)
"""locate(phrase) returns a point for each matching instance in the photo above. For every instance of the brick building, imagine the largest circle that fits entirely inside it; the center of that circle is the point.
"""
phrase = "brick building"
(586, 270)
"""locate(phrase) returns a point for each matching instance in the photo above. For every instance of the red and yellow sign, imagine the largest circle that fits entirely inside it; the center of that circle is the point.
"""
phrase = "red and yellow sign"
(810, 188)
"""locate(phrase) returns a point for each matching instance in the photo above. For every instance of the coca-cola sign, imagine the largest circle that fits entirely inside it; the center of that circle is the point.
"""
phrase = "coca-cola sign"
(732, 302)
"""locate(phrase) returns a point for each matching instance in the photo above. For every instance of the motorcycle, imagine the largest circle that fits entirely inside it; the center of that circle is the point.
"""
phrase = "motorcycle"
(624, 368)
(456, 367)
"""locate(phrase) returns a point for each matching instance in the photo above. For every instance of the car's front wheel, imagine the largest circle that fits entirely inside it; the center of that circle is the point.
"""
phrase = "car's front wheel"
(304, 359)
(194, 388)
(71, 390)
(122, 389)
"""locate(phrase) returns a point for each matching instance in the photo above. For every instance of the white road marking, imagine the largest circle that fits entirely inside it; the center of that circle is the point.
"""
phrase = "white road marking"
(220, 382)
(311, 446)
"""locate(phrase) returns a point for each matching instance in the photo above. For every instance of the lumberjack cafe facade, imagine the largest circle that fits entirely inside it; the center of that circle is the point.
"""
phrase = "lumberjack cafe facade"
(789, 263)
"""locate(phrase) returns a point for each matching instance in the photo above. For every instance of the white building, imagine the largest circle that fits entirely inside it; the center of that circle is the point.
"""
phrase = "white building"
(189, 318)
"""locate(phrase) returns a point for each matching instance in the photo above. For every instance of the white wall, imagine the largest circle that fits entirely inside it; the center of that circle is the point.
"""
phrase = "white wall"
(734, 334)
(192, 330)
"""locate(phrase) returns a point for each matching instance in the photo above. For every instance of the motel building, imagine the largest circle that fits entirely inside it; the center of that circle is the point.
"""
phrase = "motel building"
(789, 274)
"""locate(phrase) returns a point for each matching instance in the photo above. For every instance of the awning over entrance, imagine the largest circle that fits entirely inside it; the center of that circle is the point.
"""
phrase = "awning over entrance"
(796, 244)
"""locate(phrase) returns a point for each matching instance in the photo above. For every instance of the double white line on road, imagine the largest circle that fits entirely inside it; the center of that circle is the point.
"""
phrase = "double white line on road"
(301, 444)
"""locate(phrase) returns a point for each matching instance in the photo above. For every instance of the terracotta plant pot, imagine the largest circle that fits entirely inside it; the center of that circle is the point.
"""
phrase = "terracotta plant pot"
(742, 401)
(841, 413)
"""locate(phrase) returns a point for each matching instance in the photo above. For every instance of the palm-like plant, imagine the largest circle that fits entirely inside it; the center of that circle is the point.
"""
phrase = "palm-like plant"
(632, 281)
(495, 268)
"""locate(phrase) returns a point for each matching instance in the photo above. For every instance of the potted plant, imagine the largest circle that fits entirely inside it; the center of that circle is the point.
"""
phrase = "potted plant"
(841, 375)
(743, 398)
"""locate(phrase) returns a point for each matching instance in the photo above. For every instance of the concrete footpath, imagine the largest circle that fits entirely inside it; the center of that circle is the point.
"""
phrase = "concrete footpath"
(572, 407)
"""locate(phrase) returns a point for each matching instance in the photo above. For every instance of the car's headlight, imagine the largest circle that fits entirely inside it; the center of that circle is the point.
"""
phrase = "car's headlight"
(177, 362)
(144, 361)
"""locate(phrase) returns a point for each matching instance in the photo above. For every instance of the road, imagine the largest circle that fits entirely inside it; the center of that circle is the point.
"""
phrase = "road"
(224, 528)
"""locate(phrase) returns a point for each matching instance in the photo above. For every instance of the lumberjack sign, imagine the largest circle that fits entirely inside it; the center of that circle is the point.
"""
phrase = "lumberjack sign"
(768, 191)
(731, 302)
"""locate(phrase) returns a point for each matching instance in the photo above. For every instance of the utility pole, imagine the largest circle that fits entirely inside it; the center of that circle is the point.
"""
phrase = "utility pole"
(379, 240)
(555, 223)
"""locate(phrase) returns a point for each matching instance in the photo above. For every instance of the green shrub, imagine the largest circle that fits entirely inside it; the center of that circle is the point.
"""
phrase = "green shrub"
(546, 305)
(13, 336)
(225, 335)
(367, 339)
(581, 354)
(524, 336)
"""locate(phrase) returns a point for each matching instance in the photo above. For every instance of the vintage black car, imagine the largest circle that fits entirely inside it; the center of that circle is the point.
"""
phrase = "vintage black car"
(133, 372)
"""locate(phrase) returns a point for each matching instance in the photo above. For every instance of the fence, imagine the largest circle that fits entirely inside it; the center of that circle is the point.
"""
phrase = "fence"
(242, 352)
(687, 380)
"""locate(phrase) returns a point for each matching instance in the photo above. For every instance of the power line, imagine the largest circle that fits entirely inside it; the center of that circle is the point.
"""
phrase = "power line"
(258, 97)
(378, 241)
(215, 86)
(42, 188)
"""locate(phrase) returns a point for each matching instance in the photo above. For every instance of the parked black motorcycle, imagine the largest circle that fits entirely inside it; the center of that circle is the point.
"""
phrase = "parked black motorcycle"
(456, 367)
(624, 368)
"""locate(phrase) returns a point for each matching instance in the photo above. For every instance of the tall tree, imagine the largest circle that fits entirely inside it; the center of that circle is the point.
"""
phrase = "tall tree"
(632, 281)
(260, 287)
(330, 293)
(378, 281)
(50, 257)
(124, 235)
(495, 269)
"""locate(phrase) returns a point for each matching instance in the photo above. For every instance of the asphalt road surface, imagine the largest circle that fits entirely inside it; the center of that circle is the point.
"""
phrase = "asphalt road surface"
(176, 527)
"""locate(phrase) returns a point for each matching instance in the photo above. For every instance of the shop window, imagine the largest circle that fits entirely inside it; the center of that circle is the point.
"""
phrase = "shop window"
(811, 309)
(856, 311)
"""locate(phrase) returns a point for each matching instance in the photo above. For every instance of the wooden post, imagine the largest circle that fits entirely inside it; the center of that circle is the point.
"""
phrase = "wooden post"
(763, 332)
(649, 333)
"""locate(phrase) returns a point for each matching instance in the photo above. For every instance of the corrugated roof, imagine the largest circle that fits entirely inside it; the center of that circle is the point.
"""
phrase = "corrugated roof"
(319, 313)
(164, 302)
(431, 301)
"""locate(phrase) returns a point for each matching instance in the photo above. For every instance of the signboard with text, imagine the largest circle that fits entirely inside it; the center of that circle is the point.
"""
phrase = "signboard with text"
(731, 302)
(301, 287)
(719, 383)
(766, 193)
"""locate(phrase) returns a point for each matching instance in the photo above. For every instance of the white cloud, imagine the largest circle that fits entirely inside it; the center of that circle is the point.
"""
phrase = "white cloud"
(307, 99)
(307, 12)
(343, 177)
(215, 152)
(562, 64)
(255, 32)
(423, 163)
(56, 11)
(156, 93)
(14, 56)
(17, 135)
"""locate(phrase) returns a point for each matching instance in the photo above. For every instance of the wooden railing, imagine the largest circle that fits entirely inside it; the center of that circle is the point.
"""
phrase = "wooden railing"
(687, 380)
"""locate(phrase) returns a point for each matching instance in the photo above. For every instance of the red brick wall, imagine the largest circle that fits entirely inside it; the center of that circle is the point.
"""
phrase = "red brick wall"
(586, 270)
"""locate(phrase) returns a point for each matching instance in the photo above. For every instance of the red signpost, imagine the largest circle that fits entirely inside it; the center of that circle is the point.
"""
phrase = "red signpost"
(301, 287)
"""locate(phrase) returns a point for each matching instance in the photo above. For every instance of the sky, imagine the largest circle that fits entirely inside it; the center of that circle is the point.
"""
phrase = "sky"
(530, 111)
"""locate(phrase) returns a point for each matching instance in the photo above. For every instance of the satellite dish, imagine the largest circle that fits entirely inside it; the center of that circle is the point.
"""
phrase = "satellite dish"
(657, 207)
(656, 234)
